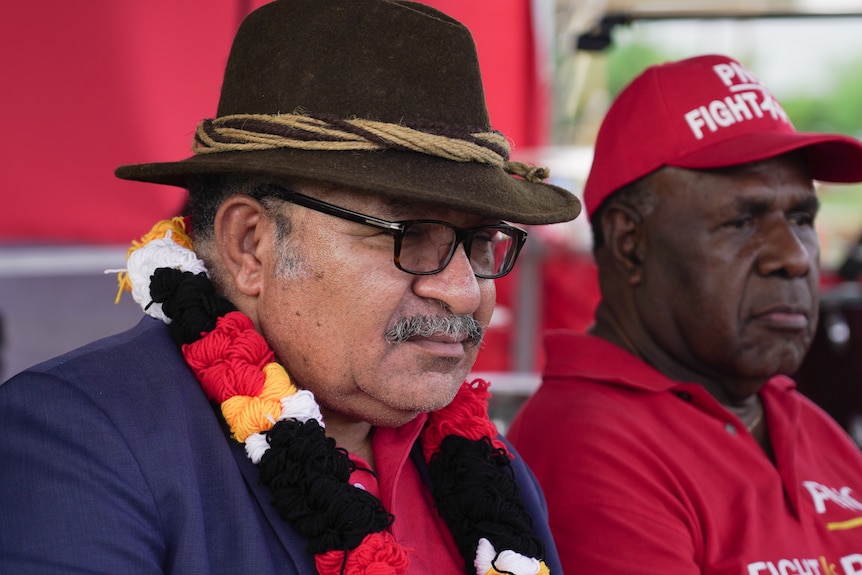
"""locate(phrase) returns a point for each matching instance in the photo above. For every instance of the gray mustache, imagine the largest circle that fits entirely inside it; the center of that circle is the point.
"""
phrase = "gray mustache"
(429, 325)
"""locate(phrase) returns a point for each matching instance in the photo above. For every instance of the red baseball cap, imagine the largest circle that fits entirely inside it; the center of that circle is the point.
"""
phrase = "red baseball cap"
(704, 112)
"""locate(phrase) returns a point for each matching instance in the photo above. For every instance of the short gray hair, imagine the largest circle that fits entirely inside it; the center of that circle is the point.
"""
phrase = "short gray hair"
(639, 195)
(207, 192)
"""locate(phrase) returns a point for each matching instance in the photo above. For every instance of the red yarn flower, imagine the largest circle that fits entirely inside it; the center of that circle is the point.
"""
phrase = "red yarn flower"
(229, 360)
(378, 554)
(466, 416)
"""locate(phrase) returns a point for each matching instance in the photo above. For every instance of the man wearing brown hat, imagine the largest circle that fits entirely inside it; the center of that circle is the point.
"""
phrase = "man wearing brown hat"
(680, 444)
(296, 400)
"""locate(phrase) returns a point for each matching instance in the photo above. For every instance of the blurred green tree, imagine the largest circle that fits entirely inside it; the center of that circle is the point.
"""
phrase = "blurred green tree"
(838, 109)
(627, 60)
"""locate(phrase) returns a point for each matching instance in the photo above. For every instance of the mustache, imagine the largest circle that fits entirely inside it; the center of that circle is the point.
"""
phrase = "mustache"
(429, 325)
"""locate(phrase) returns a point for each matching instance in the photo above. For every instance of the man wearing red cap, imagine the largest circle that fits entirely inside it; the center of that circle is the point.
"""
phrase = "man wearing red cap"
(680, 444)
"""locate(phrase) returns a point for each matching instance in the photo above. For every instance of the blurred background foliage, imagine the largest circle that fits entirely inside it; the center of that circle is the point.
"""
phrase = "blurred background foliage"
(838, 109)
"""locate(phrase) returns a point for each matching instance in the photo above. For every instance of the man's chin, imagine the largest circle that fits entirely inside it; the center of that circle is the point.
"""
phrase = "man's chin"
(778, 362)
(424, 404)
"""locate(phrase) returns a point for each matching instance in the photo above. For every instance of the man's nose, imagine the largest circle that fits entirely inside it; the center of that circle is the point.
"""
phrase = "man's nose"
(456, 285)
(786, 252)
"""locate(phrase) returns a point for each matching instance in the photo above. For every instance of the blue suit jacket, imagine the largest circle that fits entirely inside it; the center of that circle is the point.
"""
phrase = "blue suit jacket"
(113, 461)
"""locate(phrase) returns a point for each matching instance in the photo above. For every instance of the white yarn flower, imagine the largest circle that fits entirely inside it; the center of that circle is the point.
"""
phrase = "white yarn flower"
(255, 446)
(144, 261)
(488, 562)
(300, 406)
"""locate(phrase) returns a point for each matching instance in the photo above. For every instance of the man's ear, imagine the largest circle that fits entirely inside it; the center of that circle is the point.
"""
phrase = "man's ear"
(239, 230)
(625, 240)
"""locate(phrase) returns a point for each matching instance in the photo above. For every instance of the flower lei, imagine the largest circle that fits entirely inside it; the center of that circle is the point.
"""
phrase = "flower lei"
(283, 430)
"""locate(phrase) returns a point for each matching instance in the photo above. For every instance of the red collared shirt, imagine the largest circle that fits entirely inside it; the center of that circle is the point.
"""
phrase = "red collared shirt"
(647, 475)
(397, 484)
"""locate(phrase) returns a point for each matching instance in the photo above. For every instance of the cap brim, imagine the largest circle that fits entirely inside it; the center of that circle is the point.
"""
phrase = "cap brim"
(830, 157)
(466, 186)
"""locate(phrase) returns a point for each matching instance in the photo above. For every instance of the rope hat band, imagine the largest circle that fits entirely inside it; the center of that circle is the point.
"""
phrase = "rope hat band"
(255, 132)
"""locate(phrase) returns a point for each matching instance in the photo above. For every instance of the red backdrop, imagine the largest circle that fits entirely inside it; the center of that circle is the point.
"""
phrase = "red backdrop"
(95, 84)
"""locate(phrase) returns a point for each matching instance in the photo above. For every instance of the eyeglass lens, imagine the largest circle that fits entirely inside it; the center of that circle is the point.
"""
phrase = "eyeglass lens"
(427, 247)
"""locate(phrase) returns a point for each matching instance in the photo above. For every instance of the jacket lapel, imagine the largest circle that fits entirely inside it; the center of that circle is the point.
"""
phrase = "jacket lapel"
(293, 543)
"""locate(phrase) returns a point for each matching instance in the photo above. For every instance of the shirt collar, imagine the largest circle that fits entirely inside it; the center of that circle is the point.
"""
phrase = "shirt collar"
(588, 357)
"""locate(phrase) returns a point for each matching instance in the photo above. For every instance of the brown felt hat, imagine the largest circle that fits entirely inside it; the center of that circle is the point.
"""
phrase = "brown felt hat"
(402, 64)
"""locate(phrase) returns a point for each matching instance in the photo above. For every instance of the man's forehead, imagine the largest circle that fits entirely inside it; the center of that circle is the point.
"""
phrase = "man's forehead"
(745, 185)
(794, 165)
(796, 160)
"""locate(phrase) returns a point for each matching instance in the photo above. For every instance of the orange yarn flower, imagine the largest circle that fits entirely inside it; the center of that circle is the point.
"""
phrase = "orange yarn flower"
(255, 414)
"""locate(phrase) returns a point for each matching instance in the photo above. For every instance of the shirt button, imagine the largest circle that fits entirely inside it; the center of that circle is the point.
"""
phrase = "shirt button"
(730, 428)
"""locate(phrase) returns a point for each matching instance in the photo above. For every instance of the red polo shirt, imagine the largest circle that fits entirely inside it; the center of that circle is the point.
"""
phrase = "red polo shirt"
(646, 475)
(417, 527)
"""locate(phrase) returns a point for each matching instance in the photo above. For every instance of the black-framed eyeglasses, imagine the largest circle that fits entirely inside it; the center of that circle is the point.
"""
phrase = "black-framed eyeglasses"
(425, 247)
